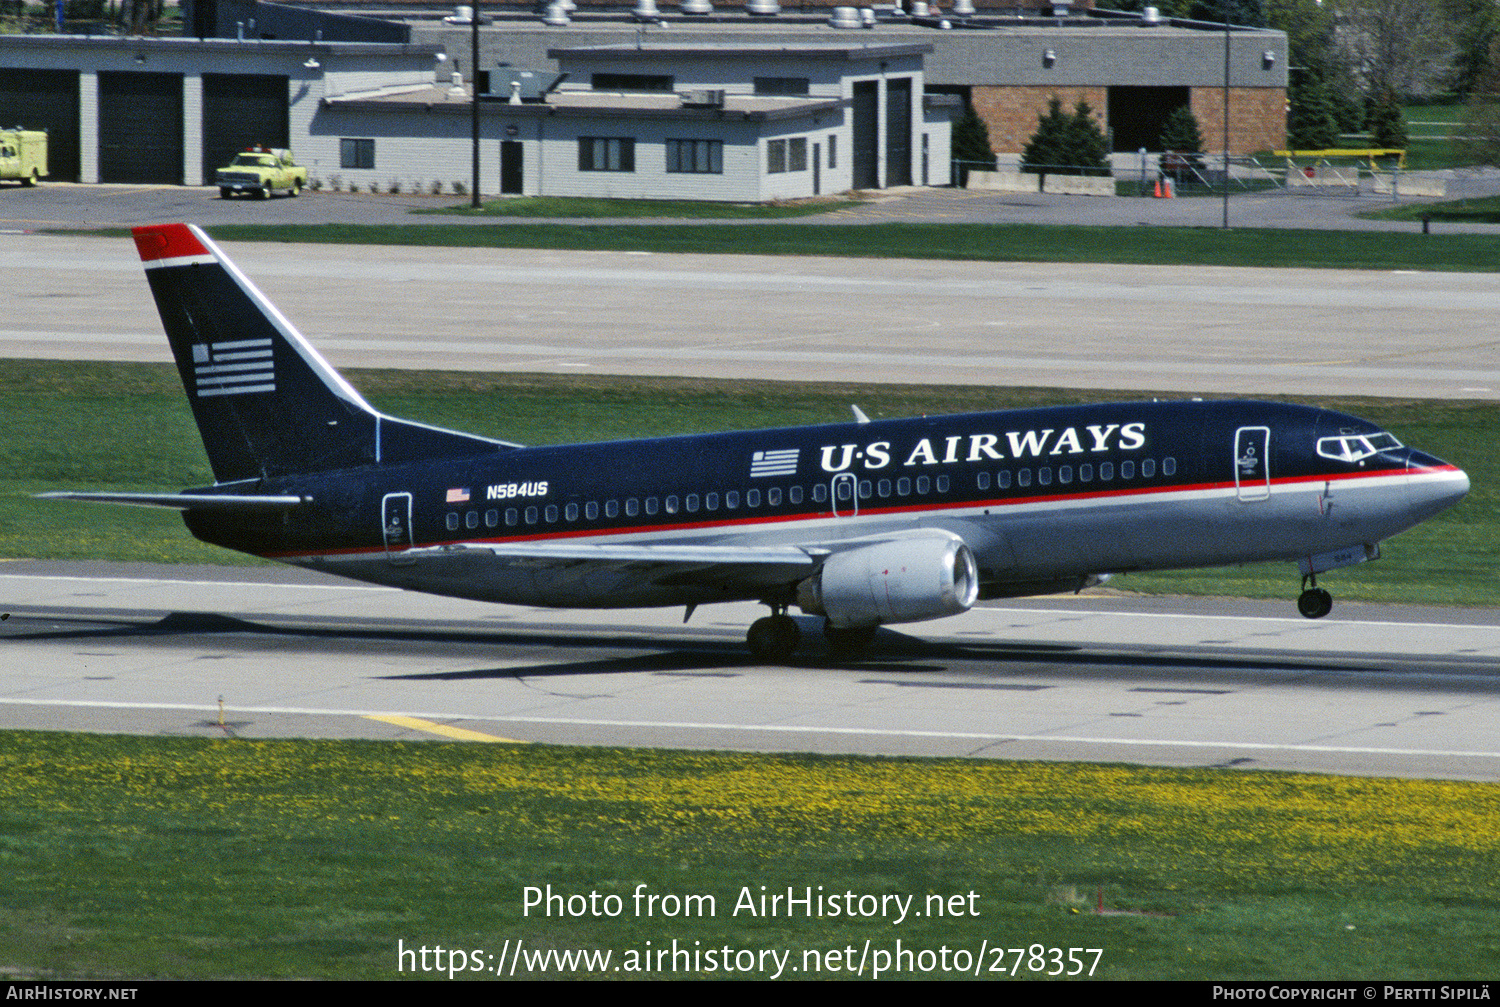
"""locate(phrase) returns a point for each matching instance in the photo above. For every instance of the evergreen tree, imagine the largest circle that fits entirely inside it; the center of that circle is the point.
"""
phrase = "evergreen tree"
(1181, 138)
(1066, 144)
(971, 145)
(1251, 13)
(1312, 125)
(1047, 148)
(1387, 124)
(1088, 151)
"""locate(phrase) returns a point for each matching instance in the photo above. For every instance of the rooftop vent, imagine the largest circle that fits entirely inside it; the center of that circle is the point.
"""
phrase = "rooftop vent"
(845, 17)
(704, 98)
(1151, 16)
(697, 7)
(762, 8)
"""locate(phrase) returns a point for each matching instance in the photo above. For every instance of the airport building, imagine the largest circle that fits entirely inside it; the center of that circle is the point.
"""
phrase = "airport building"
(737, 103)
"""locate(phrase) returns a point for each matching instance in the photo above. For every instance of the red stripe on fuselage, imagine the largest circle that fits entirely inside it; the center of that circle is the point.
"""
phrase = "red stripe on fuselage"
(997, 503)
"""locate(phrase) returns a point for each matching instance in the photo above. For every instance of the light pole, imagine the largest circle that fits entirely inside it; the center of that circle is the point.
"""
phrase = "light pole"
(474, 97)
(1224, 9)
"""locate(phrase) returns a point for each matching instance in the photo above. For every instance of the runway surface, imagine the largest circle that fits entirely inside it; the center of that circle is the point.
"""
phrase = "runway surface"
(1145, 328)
(1372, 690)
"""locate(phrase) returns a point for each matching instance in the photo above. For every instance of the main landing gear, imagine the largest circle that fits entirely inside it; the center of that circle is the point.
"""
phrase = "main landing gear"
(1313, 602)
(775, 637)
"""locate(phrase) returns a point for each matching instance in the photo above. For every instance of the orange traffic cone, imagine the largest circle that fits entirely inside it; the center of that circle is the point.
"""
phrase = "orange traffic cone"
(1158, 187)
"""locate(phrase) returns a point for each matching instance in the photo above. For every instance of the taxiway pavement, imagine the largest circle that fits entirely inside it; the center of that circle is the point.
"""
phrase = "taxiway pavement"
(1130, 328)
(1372, 690)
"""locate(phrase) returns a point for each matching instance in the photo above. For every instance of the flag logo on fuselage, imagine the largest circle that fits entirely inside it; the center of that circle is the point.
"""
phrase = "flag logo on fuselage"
(774, 463)
(235, 367)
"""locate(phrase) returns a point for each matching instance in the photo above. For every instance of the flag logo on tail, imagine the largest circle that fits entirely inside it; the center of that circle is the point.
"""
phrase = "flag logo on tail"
(235, 367)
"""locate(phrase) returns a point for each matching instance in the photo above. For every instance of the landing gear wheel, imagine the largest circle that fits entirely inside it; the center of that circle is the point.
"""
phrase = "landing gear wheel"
(1314, 603)
(848, 641)
(773, 638)
(226, 193)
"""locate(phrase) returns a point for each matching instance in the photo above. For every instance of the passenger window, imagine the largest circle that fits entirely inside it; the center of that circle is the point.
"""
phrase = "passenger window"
(552, 513)
(471, 519)
(1106, 471)
(612, 508)
(453, 520)
(883, 487)
(773, 496)
(1148, 468)
(512, 516)
(794, 494)
(731, 499)
(692, 503)
(1065, 474)
(864, 489)
(711, 501)
(820, 493)
(1002, 479)
(903, 487)
(942, 484)
(923, 485)
(1044, 476)
(1085, 473)
(672, 504)
(571, 511)
(1023, 477)
(591, 510)
(1127, 470)
(752, 498)
(531, 514)
(491, 518)
(652, 505)
(1169, 466)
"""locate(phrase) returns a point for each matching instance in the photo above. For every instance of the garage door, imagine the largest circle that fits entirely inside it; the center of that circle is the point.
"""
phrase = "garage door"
(45, 99)
(140, 127)
(242, 110)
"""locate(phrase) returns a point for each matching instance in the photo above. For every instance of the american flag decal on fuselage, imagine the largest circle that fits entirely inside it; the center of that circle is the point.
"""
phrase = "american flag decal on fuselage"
(236, 367)
(774, 463)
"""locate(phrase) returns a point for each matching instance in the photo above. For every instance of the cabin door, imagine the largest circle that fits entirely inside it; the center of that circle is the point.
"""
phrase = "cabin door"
(845, 490)
(396, 526)
(1252, 463)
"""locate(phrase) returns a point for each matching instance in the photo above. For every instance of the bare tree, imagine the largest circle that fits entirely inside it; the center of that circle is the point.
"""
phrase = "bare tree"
(1402, 46)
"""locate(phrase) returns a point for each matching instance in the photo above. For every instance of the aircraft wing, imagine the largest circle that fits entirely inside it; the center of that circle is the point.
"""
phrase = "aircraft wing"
(186, 501)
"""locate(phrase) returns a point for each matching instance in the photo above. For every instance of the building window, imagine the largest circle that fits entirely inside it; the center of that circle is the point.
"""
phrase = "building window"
(786, 155)
(794, 87)
(606, 153)
(356, 153)
(833, 150)
(698, 157)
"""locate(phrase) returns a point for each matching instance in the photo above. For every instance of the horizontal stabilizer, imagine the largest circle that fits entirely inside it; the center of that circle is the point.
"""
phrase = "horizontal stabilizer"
(187, 501)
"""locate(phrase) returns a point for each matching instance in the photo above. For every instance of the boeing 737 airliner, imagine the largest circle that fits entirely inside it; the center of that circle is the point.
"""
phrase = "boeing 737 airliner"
(864, 523)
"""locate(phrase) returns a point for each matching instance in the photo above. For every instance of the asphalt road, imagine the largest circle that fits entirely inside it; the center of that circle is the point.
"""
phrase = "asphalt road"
(1144, 329)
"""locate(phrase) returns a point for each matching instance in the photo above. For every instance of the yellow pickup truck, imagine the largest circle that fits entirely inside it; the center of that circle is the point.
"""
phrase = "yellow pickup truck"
(23, 155)
(261, 172)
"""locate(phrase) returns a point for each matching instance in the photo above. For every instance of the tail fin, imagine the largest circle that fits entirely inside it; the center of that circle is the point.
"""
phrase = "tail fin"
(267, 404)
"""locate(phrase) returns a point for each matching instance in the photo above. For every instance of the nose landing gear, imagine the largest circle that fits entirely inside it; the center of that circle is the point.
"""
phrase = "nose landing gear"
(1313, 602)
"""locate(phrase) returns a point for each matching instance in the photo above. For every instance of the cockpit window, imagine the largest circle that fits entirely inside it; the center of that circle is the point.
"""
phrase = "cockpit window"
(1354, 448)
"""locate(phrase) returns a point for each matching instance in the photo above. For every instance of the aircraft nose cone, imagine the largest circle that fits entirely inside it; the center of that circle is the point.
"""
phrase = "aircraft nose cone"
(1434, 485)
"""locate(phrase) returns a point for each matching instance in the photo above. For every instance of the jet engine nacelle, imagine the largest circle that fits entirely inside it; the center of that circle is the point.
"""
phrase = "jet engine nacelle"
(903, 580)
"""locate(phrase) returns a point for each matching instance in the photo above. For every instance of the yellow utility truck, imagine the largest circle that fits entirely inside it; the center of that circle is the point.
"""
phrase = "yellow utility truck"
(23, 154)
(262, 172)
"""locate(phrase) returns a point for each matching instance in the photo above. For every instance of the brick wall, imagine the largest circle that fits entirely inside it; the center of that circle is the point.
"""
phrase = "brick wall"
(1257, 115)
(1257, 118)
(1011, 113)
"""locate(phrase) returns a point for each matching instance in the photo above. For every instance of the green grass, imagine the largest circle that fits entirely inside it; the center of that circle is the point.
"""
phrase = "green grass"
(1204, 246)
(1482, 210)
(577, 206)
(136, 434)
(137, 857)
